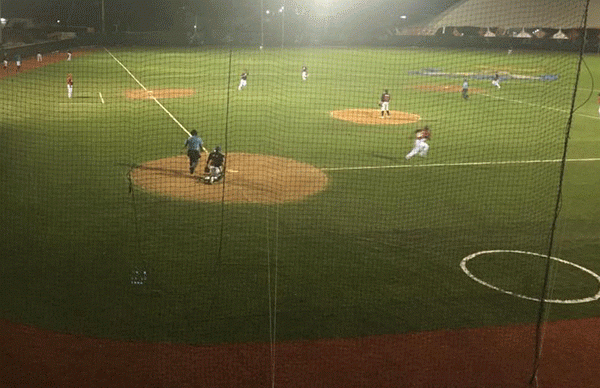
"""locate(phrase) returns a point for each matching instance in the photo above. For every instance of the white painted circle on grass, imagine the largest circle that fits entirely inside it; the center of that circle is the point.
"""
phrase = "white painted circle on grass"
(463, 265)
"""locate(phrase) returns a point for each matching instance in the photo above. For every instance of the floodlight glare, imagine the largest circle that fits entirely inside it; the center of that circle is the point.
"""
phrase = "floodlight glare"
(403, 17)
(268, 12)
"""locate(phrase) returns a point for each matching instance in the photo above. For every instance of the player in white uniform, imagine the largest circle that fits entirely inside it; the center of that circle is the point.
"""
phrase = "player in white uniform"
(39, 57)
(304, 73)
(496, 81)
(70, 85)
(243, 81)
(421, 147)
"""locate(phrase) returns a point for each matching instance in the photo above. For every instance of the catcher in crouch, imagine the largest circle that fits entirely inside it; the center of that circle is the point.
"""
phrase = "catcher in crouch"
(215, 166)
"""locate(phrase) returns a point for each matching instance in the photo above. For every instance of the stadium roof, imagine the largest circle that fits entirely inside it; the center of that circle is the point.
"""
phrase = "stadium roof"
(519, 14)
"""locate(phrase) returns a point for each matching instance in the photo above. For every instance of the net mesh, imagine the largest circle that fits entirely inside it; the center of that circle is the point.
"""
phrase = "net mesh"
(341, 244)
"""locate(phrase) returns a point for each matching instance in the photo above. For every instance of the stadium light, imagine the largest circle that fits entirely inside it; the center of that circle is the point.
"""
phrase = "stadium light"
(403, 17)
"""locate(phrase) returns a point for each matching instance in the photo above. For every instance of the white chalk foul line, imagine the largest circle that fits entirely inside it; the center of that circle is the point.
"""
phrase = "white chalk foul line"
(539, 106)
(511, 162)
(149, 93)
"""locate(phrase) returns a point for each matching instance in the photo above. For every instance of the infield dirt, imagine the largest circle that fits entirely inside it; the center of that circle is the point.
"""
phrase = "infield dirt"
(250, 178)
(373, 116)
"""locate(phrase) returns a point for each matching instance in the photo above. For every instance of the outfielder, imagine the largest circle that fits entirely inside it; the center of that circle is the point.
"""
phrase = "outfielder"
(304, 73)
(385, 103)
(496, 81)
(70, 85)
(215, 165)
(243, 81)
(193, 145)
(421, 147)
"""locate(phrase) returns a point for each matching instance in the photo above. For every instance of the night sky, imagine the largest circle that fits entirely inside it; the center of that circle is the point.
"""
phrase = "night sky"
(163, 14)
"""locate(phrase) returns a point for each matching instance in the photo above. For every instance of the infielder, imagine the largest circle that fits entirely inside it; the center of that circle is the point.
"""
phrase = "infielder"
(193, 145)
(5, 64)
(18, 62)
(384, 102)
(69, 55)
(214, 166)
(465, 89)
(421, 147)
(304, 73)
(39, 57)
(243, 81)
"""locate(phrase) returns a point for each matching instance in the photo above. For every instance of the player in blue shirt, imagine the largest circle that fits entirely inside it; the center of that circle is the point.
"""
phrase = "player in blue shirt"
(193, 145)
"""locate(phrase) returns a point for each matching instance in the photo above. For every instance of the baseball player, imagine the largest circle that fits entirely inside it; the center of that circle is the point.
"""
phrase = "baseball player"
(496, 81)
(193, 145)
(70, 85)
(18, 63)
(384, 102)
(465, 89)
(421, 147)
(243, 81)
(215, 165)
(69, 55)
(304, 73)
(39, 56)
(5, 64)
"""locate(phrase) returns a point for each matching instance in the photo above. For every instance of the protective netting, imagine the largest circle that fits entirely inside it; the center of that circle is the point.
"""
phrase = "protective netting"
(328, 252)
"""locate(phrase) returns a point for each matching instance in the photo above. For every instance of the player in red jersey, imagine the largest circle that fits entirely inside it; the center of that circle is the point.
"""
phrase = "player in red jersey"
(384, 102)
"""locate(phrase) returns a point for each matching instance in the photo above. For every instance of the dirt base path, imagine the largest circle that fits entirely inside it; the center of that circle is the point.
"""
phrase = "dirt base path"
(250, 178)
(373, 116)
(31, 63)
(489, 357)
(140, 94)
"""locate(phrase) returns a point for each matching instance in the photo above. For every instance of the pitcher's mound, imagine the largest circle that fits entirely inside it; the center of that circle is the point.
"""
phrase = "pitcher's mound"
(250, 178)
(373, 116)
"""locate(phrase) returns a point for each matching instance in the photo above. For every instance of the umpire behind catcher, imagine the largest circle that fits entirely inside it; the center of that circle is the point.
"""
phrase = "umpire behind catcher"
(193, 145)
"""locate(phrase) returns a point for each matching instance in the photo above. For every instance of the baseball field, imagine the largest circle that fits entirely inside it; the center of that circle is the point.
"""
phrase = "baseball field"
(321, 228)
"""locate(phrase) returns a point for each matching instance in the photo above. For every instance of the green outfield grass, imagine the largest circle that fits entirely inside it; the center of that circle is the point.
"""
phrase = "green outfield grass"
(377, 252)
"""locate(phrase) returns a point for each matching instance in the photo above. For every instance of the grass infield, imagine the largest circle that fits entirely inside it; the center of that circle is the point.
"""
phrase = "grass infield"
(377, 252)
